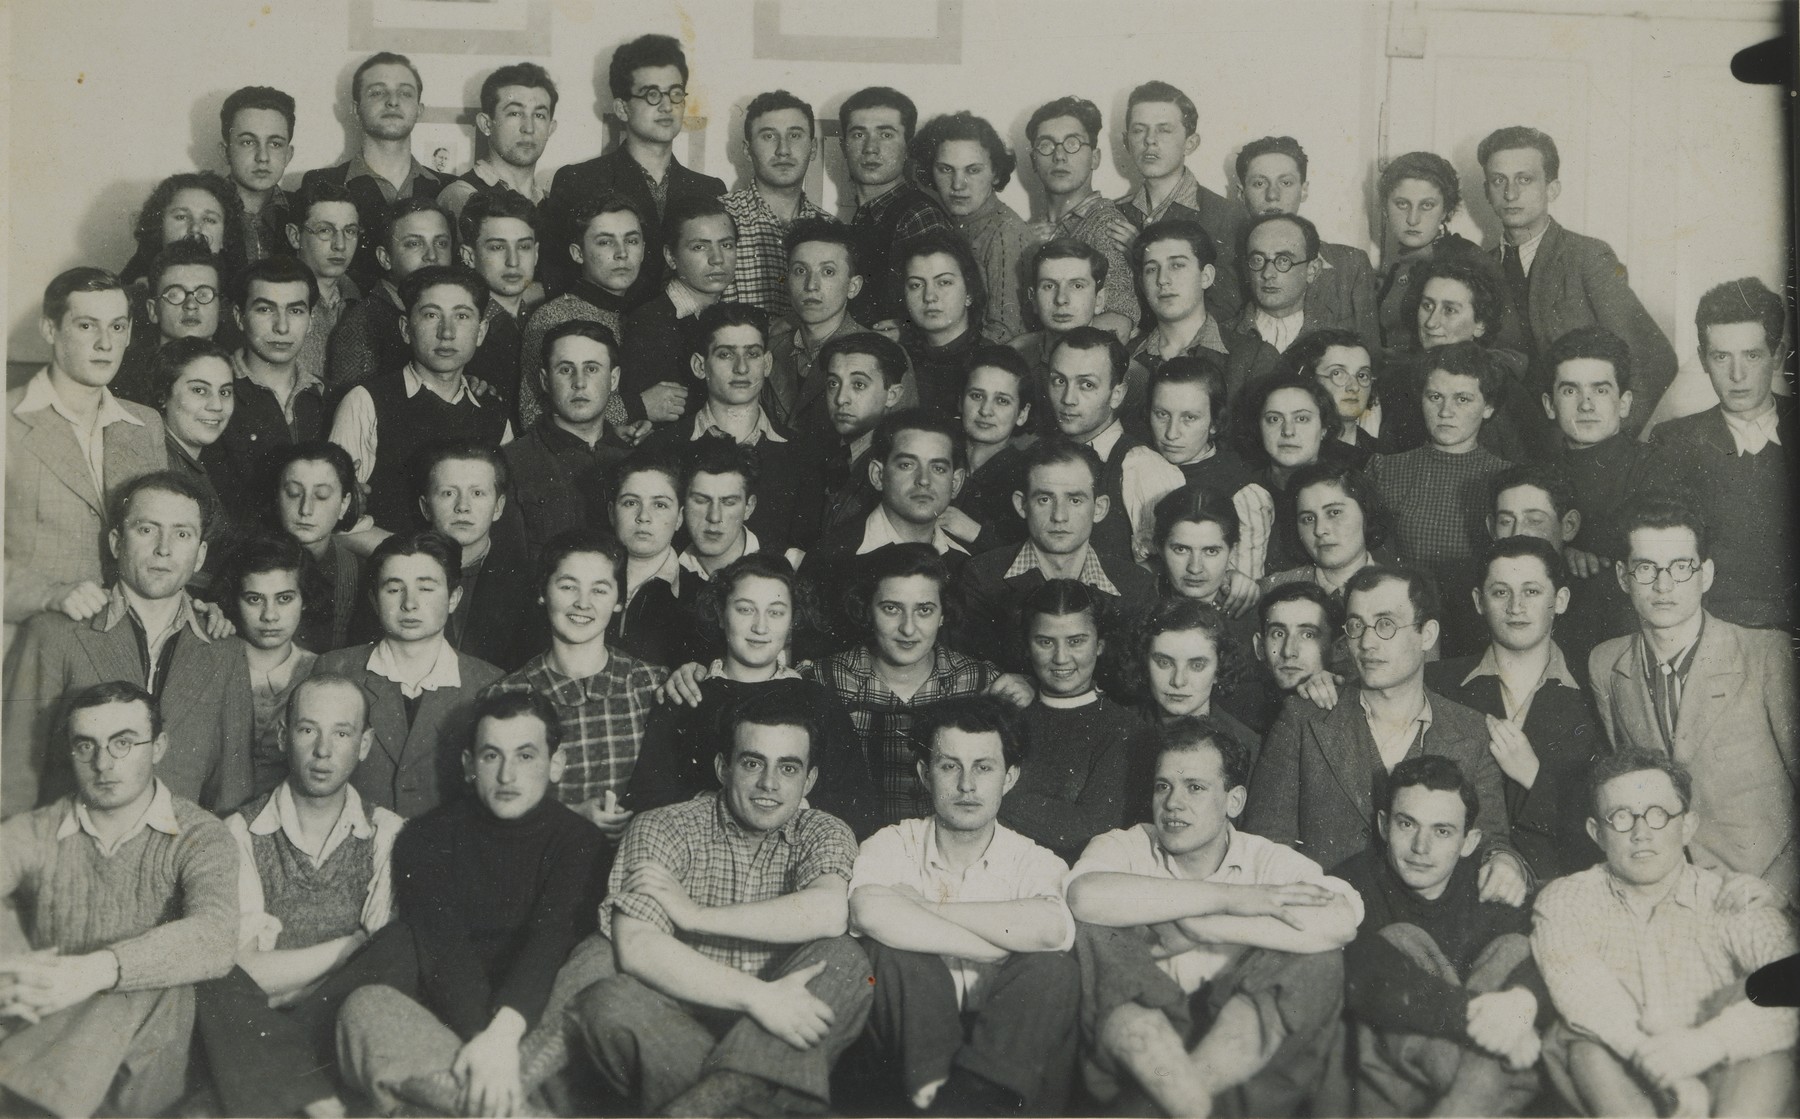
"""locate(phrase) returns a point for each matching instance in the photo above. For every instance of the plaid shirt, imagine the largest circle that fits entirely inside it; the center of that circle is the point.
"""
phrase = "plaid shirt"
(1607, 968)
(1092, 573)
(884, 721)
(1441, 499)
(603, 719)
(719, 863)
(761, 277)
(1091, 223)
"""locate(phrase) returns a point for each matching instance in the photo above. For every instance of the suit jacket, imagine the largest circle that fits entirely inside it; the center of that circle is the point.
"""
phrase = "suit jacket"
(989, 603)
(414, 767)
(1320, 779)
(1576, 280)
(205, 703)
(55, 523)
(1736, 731)
(502, 623)
(654, 346)
(615, 172)
(1344, 293)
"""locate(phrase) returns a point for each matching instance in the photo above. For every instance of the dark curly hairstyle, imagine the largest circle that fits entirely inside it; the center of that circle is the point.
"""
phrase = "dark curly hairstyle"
(1173, 615)
(265, 552)
(147, 233)
(897, 561)
(953, 245)
(1248, 408)
(1378, 519)
(962, 125)
(714, 603)
(1487, 294)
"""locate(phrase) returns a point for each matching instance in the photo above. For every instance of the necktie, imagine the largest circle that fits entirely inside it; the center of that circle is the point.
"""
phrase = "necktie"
(1518, 290)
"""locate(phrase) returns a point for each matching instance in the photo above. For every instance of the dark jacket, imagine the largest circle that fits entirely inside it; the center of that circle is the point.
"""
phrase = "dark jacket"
(617, 173)
(990, 601)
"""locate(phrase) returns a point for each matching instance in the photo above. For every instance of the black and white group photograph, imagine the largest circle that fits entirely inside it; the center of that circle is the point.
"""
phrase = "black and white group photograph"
(899, 558)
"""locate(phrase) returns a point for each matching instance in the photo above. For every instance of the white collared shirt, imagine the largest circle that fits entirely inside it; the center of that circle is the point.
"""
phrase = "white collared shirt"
(40, 393)
(687, 301)
(1107, 438)
(669, 572)
(1753, 434)
(354, 427)
(1518, 708)
(1393, 750)
(1013, 868)
(1528, 251)
(765, 428)
(690, 560)
(444, 671)
(879, 531)
(159, 816)
(1280, 332)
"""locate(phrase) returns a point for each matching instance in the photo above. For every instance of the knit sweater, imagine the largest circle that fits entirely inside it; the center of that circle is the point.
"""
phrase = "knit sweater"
(1073, 784)
(165, 905)
(495, 906)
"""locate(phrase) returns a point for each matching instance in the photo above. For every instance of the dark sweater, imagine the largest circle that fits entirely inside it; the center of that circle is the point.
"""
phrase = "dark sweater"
(1385, 989)
(495, 905)
(1072, 786)
(939, 370)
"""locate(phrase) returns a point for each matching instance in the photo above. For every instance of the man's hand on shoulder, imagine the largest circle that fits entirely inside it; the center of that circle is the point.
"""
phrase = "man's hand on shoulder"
(1503, 879)
(82, 602)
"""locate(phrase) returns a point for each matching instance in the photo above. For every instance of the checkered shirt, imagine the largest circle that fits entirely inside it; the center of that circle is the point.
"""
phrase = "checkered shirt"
(884, 721)
(719, 863)
(1441, 502)
(761, 277)
(603, 719)
(1091, 224)
(1092, 573)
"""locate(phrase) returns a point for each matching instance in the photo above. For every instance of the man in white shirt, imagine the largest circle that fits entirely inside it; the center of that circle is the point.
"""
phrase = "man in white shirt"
(967, 932)
(1281, 260)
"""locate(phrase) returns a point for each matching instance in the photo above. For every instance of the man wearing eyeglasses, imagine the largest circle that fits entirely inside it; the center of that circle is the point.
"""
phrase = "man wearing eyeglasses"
(1281, 262)
(1065, 152)
(1322, 773)
(1717, 697)
(99, 1013)
(648, 78)
(1645, 958)
(183, 302)
(325, 230)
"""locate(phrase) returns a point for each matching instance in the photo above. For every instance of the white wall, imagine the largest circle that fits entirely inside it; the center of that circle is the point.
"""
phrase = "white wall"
(107, 98)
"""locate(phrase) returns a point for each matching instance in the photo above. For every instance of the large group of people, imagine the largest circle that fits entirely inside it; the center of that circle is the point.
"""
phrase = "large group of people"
(634, 647)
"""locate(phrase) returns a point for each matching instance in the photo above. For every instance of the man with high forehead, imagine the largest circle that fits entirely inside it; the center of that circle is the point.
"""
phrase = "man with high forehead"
(877, 132)
(1282, 259)
(1064, 136)
(780, 137)
(256, 134)
(369, 337)
(517, 119)
(323, 231)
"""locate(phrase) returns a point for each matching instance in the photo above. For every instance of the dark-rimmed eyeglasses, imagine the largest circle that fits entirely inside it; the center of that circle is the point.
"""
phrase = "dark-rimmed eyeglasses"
(87, 749)
(1385, 628)
(1343, 378)
(653, 95)
(177, 296)
(326, 232)
(1046, 147)
(1645, 573)
(1283, 262)
(1658, 817)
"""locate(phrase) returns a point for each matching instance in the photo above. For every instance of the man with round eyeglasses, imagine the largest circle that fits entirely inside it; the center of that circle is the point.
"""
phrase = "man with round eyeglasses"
(1280, 256)
(1717, 697)
(1679, 1036)
(1064, 136)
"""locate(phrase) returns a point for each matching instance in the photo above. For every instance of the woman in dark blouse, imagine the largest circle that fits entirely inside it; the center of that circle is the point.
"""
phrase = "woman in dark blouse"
(314, 498)
(945, 300)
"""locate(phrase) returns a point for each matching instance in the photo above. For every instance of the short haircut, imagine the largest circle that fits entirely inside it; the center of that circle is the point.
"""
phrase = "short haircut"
(419, 542)
(1056, 598)
(1662, 510)
(642, 53)
(66, 284)
(727, 313)
(112, 691)
(1309, 233)
(580, 328)
(713, 607)
(719, 454)
(1379, 522)
(413, 288)
(1306, 354)
(887, 433)
(1439, 774)
(1596, 343)
(1055, 450)
(174, 356)
(1464, 359)
(527, 74)
(993, 355)
(1195, 732)
(314, 450)
(1637, 759)
(1520, 547)
(1271, 145)
(580, 541)
(773, 102)
(896, 561)
(1745, 300)
(1085, 113)
(495, 202)
(946, 242)
(1421, 588)
(1118, 359)
(1173, 229)
(827, 232)
(429, 457)
(1545, 476)
(691, 208)
(590, 206)
(1203, 368)
(502, 706)
(1070, 248)
(1254, 397)
(256, 555)
(1330, 608)
(384, 58)
(1487, 297)
(1161, 92)
(196, 251)
(164, 481)
(320, 680)
(775, 707)
(963, 125)
(1179, 615)
(1195, 503)
(1428, 167)
(880, 97)
(647, 459)
(971, 714)
(1520, 136)
(274, 270)
(255, 97)
(320, 192)
(406, 208)
(889, 356)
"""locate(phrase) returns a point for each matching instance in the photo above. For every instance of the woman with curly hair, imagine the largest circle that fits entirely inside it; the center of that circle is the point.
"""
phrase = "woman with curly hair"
(964, 159)
(1343, 525)
(1420, 193)
(198, 204)
(1186, 662)
(946, 297)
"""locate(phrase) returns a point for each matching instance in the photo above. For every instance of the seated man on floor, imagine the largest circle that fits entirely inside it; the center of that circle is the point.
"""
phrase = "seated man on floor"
(968, 934)
(1211, 970)
(738, 987)
(1439, 983)
(1676, 1036)
(129, 898)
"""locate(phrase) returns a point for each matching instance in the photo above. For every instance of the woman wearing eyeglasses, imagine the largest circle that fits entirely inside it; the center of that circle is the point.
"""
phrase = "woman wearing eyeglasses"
(963, 158)
(1344, 366)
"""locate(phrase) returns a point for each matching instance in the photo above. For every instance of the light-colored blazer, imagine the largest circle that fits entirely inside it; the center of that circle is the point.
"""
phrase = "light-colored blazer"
(55, 523)
(1737, 731)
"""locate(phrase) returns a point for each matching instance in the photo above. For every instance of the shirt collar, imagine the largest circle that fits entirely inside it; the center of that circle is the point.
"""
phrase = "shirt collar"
(688, 302)
(160, 816)
(934, 858)
(1107, 439)
(728, 823)
(280, 815)
(305, 380)
(1080, 210)
(1068, 702)
(691, 562)
(1752, 435)
(765, 429)
(669, 572)
(1422, 719)
(1186, 193)
(1236, 860)
(716, 670)
(1685, 892)
(1556, 671)
(414, 382)
(878, 531)
(444, 671)
(41, 394)
(484, 170)
(359, 168)
(1092, 573)
(118, 604)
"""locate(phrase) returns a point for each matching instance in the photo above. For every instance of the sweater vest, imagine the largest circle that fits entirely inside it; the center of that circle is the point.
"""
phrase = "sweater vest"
(313, 904)
(1749, 518)
(407, 425)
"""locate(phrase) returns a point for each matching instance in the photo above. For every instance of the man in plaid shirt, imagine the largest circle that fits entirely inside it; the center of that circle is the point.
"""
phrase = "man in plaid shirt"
(606, 700)
(878, 124)
(780, 135)
(728, 915)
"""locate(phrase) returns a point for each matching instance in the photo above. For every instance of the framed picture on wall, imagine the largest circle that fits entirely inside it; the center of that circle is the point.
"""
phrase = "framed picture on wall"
(822, 31)
(451, 26)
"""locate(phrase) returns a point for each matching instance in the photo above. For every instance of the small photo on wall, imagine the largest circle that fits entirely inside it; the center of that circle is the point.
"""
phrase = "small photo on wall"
(446, 148)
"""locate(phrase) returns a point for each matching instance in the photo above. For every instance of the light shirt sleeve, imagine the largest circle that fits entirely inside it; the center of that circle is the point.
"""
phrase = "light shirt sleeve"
(354, 429)
(257, 927)
(1256, 517)
(1585, 992)
(1124, 851)
(378, 906)
(883, 861)
(1041, 876)
(1145, 478)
